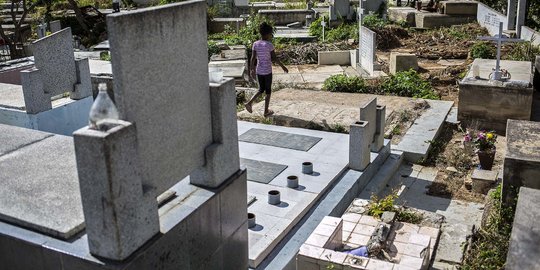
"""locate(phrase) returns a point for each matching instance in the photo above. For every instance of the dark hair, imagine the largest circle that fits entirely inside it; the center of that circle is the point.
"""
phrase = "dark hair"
(266, 29)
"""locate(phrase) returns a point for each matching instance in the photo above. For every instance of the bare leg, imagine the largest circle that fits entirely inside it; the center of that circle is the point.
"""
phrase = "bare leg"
(250, 102)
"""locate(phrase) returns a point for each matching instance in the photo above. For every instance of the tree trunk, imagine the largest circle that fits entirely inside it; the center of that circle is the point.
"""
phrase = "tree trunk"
(78, 15)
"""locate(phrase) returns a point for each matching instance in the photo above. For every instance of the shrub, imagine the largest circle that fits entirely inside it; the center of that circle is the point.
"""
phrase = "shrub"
(344, 31)
(524, 51)
(342, 83)
(213, 48)
(408, 84)
(315, 28)
(482, 49)
(373, 22)
(378, 206)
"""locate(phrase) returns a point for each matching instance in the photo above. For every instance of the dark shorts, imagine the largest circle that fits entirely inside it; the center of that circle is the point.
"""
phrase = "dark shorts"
(265, 83)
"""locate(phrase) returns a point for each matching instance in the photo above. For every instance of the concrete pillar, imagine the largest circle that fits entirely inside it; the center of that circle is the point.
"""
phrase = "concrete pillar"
(35, 98)
(368, 113)
(378, 140)
(511, 14)
(521, 14)
(222, 158)
(83, 87)
(120, 216)
(536, 79)
(359, 145)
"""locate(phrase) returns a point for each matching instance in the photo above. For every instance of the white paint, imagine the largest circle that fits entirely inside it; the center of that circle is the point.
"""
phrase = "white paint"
(367, 49)
(63, 119)
(490, 19)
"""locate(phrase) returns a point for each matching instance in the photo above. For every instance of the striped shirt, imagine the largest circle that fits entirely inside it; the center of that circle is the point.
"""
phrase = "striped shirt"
(263, 48)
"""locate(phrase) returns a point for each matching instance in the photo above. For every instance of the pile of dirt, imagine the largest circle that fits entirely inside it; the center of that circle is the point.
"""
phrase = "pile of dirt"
(304, 54)
(390, 37)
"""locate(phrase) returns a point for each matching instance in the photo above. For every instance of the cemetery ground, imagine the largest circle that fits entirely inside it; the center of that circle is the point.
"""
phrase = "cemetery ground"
(444, 56)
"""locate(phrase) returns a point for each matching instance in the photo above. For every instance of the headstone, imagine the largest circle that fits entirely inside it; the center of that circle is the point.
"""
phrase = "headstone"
(367, 49)
(511, 9)
(483, 180)
(339, 9)
(490, 19)
(55, 59)
(41, 30)
(55, 26)
(175, 125)
(521, 14)
(402, 62)
(522, 158)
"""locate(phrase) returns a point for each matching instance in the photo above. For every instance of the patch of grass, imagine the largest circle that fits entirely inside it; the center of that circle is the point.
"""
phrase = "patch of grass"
(213, 48)
(105, 56)
(396, 130)
(482, 49)
(490, 243)
(338, 128)
(377, 207)
(343, 83)
(374, 22)
(409, 216)
(523, 51)
(408, 84)
(344, 31)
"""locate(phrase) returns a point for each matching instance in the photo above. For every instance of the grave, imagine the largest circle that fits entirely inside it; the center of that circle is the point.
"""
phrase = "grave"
(286, 16)
(339, 9)
(523, 250)
(451, 13)
(492, 103)
(402, 62)
(124, 166)
(522, 158)
(54, 93)
(410, 246)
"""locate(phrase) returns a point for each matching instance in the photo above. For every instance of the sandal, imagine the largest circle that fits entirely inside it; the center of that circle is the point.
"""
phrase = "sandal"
(269, 113)
(248, 107)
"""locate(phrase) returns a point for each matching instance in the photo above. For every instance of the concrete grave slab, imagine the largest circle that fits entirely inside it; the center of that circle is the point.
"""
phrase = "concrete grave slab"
(182, 105)
(31, 196)
(260, 171)
(11, 96)
(279, 139)
(13, 138)
(55, 60)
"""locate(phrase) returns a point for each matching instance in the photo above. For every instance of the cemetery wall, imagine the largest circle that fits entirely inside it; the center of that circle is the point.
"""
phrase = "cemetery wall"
(489, 18)
(63, 119)
(285, 16)
(530, 35)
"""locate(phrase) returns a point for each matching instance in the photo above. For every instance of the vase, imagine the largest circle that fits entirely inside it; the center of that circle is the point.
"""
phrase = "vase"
(486, 159)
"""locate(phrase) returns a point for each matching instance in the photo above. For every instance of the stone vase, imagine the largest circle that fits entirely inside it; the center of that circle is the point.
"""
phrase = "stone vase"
(292, 181)
(251, 220)
(274, 197)
(307, 167)
(486, 159)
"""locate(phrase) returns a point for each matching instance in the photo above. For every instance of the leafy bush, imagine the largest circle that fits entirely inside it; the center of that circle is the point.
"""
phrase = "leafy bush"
(378, 206)
(408, 84)
(373, 22)
(342, 83)
(344, 31)
(213, 48)
(482, 49)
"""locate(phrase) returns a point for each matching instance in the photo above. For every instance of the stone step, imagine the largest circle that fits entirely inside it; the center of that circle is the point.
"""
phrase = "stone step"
(383, 176)
(417, 141)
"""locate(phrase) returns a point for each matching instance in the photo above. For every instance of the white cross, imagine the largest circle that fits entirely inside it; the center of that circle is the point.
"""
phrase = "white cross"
(497, 74)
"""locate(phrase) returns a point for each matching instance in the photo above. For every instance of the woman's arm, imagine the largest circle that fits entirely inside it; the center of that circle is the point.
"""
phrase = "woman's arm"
(276, 60)
(253, 63)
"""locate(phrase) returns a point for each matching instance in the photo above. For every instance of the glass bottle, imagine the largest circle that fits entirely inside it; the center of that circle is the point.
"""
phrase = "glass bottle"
(103, 108)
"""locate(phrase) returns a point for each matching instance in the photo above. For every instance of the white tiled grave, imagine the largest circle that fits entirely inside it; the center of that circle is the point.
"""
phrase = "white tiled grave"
(329, 157)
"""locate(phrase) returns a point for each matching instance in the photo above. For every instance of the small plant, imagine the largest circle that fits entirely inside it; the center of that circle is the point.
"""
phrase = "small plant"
(482, 49)
(378, 206)
(409, 216)
(343, 83)
(396, 130)
(408, 84)
(373, 22)
(105, 56)
(213, 48)
(344, 31)
(524, 51)
(338, 128)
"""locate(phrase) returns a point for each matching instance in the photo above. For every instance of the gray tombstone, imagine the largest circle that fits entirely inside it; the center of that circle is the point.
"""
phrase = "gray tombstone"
(367, 49)
(55, 26)
(176, 125)
(54, 58)
(164, 97)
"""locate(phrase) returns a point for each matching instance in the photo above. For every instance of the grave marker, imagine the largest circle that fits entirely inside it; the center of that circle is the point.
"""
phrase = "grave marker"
(497, 73)
(367, 49)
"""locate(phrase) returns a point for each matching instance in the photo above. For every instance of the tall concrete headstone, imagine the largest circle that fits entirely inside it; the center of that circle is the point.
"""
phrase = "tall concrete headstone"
(339, 9)
(490, 19)
(521, 14)
(174, 119)
(511, 14)
(174, 125)
(55, 59)
(55, 26)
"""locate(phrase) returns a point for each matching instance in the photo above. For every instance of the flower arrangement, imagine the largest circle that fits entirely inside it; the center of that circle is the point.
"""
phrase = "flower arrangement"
(483, 141)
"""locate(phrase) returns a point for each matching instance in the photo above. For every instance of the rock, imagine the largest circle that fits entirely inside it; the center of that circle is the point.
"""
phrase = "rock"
(451, 169)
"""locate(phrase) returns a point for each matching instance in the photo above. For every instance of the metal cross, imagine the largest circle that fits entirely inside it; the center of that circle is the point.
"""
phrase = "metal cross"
(497, 74)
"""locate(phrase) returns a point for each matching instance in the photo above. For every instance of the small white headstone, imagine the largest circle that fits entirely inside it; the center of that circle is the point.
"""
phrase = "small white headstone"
(367, 49)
